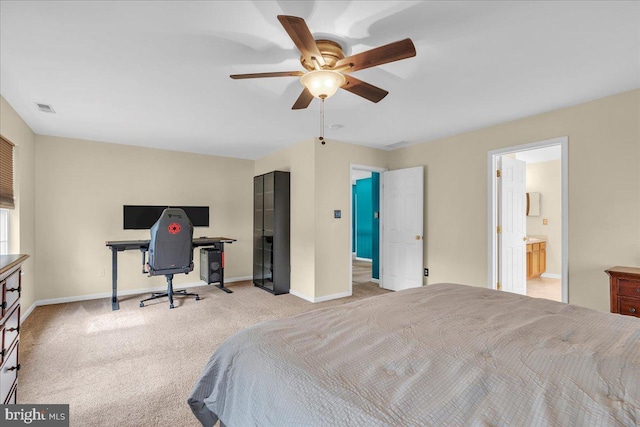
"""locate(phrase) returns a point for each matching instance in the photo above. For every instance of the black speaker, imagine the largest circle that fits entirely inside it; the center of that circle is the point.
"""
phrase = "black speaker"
(212, 264)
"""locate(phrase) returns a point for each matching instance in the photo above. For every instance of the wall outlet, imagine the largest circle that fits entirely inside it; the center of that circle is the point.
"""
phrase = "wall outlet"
(426, 272)
(545, 221)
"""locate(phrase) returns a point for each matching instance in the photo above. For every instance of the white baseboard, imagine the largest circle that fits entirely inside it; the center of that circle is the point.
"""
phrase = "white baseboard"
(551, 276)
(24, 315)
(238, 279)
(374, 280)
(364, 259)
(320, 299)
(76, 298)
(332, 296)
(300, 295)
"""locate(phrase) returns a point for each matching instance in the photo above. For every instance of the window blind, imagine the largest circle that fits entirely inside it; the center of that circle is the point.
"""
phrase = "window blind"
(6, 174)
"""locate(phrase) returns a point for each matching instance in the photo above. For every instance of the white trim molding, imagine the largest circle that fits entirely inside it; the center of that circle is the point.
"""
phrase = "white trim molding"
(492, 156)
(332, 296)
(352, 167)
(300, 295)
(101, 295)
(320, 299)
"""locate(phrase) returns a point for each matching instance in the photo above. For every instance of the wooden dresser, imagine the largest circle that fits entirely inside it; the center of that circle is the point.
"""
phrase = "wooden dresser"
(624, 283)
(10, 289)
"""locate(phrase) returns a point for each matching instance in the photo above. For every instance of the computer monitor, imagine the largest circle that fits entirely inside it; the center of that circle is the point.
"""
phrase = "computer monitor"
(142, 217)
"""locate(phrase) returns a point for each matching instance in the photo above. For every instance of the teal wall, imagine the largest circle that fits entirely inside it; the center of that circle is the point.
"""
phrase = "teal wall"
(365, 226)
(375, 235)
(364, 219)
(353, 218)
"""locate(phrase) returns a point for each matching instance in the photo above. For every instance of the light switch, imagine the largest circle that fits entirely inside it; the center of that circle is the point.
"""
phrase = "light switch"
(545, 221)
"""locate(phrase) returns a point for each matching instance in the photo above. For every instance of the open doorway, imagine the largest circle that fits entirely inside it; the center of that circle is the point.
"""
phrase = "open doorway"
(363, 218)
(528, 219)
(365, 226)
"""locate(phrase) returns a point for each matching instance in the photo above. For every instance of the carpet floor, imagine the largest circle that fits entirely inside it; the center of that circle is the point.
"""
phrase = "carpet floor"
(361, 271)
(137, 366)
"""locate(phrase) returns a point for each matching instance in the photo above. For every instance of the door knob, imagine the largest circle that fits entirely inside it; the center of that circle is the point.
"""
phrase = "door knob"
(524, 238)
(418, 237)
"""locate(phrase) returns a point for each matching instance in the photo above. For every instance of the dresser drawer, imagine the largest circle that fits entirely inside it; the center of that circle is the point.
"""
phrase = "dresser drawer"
(9, 333)
(10, 291)
(629, 306)
(9, 373)
(629, 287)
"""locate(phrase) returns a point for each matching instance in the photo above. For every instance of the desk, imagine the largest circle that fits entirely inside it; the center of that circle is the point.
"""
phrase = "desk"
(143, 246)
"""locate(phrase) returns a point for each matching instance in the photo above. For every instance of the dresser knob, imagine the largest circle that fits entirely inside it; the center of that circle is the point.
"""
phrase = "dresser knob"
(638, 290)
(632, 310)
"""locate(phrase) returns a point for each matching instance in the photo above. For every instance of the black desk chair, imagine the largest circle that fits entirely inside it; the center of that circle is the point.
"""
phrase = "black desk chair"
(170, 251)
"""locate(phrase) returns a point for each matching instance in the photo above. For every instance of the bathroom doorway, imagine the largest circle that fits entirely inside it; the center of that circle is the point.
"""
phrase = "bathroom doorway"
(531, 259)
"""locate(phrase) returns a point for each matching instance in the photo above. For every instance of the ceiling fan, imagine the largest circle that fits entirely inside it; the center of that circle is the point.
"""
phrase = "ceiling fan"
(328, 68)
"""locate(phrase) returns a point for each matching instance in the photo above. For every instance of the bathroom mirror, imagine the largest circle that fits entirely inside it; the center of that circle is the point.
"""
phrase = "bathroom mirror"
(533, 204)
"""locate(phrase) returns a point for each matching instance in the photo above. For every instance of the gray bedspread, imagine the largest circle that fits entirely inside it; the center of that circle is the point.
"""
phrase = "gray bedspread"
(440, 355)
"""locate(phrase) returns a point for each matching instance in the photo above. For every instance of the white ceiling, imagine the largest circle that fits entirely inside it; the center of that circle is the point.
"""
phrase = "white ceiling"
(156, 74)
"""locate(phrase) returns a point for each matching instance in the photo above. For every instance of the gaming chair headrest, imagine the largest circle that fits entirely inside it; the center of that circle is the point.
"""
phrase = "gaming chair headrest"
(171, 244)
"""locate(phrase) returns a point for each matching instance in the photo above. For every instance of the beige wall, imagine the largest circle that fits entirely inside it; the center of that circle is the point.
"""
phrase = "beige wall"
(299, 161)
(546, 179)
(22, 219)
(333, 192)
(81, 187)
(320, 184)
(604, 193)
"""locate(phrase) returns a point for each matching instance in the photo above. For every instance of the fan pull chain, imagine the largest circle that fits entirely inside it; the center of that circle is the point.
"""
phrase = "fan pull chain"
(322, 122)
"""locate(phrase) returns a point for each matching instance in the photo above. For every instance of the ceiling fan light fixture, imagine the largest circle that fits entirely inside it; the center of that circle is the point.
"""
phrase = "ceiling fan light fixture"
(323, 83)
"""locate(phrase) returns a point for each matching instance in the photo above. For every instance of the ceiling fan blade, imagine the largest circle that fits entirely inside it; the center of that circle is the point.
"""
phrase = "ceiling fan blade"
(377, 56)
(260, 75)
(302, 38)
(303, 100)
(364, 89)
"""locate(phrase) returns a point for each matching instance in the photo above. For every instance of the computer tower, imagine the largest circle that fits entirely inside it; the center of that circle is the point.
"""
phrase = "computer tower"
(212, 264)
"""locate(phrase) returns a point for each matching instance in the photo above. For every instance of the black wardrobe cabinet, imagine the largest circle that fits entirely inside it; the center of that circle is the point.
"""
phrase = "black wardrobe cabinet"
(271, 231)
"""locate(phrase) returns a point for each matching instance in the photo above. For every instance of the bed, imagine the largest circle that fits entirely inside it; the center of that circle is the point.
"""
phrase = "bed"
(439, 355)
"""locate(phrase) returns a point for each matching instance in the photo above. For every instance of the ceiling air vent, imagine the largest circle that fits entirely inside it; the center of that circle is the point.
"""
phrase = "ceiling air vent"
(396, 145)
(45, 108)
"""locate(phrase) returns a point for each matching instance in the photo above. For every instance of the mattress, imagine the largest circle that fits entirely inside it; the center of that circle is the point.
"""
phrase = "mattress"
(442, 354)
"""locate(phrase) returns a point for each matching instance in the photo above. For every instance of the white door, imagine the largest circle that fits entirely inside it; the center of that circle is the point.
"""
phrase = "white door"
(403, 196)
(513, 222)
